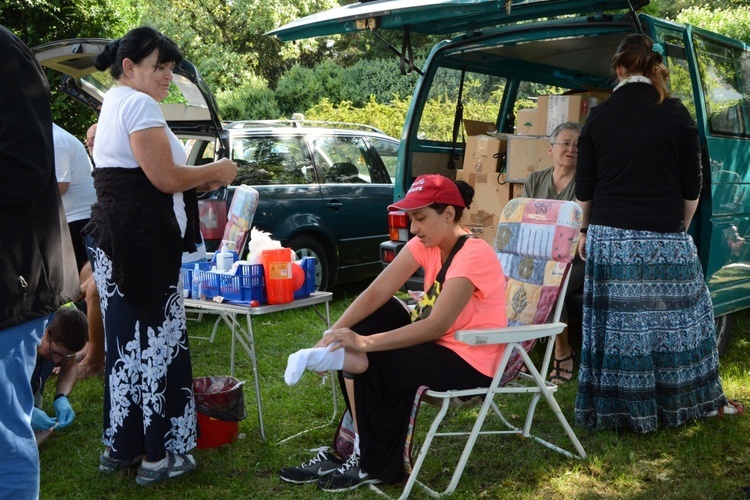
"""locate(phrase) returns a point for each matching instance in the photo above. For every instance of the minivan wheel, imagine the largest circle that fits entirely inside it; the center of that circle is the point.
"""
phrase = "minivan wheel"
(724, 326)
(304, 246)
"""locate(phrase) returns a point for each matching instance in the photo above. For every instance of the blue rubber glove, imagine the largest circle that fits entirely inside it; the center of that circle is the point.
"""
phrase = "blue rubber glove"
(65, 413)
(40, 421)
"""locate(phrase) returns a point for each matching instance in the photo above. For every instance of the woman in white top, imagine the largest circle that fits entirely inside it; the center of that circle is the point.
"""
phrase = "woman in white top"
(139, 228)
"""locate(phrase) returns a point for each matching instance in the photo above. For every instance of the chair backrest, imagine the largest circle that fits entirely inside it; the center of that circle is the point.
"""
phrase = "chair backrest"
(536, 243)
(536, 239)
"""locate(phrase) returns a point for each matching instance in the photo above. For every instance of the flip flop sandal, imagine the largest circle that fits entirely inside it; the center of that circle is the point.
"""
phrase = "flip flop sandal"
(733, 408)
(557, 377)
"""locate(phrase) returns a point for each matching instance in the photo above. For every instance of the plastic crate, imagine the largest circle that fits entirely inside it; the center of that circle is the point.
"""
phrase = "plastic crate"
(246, 286)
(308, 265)
(210, 285)
(186, 274)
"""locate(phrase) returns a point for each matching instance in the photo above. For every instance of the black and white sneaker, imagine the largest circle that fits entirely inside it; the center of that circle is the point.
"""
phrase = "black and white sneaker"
(320, 466)
(348, 477)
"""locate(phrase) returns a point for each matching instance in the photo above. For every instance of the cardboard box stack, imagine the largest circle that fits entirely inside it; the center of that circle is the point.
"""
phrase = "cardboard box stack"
(526, 154)
(528, 151)
(483, 147)
(530, 122)
(489, 199)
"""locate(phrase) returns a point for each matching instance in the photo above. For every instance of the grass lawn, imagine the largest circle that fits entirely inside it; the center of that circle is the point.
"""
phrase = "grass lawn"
(704, 459)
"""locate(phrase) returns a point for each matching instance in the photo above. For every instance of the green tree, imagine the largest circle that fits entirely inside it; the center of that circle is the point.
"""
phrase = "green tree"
(42, 21)
(733, 22)
(226, 38)
(670, 9)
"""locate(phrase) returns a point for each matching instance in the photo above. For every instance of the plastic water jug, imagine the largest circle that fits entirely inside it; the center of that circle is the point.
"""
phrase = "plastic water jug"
(277, 269)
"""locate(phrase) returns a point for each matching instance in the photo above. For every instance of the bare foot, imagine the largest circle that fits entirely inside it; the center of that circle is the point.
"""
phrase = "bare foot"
(88, 368)
(562, 368)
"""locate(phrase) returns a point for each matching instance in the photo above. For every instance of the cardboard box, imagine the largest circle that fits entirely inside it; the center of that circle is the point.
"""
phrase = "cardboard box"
(567, 108)
(531, 122)
(489, 199)
(482, 151)
(526, 154)
(430, 163)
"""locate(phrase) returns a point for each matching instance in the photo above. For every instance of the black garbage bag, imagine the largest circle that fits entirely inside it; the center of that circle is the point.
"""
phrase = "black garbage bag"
(220, 397)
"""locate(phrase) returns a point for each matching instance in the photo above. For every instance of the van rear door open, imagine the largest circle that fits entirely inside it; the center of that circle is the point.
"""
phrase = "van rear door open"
(507, 59)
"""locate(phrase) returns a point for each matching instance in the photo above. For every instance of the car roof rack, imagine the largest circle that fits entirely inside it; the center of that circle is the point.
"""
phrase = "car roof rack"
(302, 124)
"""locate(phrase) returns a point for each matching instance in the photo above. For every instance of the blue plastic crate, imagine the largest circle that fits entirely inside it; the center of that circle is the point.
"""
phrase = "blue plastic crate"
(186, 273)
(210, 285)
(308, 265)
(246, 286)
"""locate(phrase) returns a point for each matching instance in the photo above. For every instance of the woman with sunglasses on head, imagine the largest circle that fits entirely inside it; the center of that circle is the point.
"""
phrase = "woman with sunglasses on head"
(145, 217)
(649, 356)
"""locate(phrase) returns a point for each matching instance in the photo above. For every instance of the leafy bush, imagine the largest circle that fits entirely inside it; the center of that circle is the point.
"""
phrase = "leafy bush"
(387, 117)
(378, 78)
(733, 22)
(253, 100)
(298, 89)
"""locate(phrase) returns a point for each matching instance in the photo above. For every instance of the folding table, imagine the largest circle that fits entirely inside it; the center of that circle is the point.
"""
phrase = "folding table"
(231, 314)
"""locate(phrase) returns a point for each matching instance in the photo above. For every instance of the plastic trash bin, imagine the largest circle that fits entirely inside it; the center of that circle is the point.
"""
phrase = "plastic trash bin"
(220, 404)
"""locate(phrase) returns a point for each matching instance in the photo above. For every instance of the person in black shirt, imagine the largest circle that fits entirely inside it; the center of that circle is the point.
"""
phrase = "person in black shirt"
(37, 264)
(649, 355)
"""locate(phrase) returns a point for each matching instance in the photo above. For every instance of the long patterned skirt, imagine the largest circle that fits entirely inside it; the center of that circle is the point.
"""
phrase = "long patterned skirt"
(649, 354)
(148, 397)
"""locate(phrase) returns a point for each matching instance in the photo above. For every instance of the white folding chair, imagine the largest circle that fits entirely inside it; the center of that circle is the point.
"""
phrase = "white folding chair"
(536, 243)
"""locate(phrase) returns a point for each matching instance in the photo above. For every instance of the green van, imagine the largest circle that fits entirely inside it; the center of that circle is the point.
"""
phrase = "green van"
(503, 55)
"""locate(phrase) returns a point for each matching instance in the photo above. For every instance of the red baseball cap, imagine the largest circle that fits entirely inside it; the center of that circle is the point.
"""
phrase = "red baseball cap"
(429, 189)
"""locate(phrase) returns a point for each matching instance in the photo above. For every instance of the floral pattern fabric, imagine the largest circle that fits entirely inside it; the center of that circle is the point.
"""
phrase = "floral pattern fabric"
(649, 354)
(148, 403)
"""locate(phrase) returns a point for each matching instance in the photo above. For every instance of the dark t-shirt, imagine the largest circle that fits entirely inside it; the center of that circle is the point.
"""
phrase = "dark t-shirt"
(638, 161)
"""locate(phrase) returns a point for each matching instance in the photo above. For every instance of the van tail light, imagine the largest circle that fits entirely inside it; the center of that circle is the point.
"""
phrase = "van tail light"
(213, 218)
(398, 226)
(388, 256)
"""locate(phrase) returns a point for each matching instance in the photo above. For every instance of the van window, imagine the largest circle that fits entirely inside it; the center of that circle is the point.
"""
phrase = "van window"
(724, 72)
(481, 99)
(680, 83)
(388, 151)
(344, 160)
(272, 161)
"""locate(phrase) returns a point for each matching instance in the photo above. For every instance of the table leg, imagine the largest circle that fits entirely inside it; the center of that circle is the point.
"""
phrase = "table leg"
(256, 376)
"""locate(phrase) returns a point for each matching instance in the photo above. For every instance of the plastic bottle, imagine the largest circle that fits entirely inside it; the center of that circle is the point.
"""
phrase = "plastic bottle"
(224, 259)
(196, 284)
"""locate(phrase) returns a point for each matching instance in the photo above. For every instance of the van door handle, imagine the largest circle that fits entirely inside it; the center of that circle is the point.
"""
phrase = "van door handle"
(334, 205)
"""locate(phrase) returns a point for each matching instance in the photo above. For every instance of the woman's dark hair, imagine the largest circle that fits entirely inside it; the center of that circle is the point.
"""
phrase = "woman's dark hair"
(636, 55)
(467, 193)
(136, 45)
